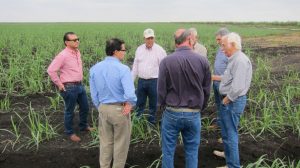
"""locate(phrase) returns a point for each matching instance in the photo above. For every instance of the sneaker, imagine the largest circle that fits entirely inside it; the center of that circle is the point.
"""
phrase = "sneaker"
(222, 167)
(75, 138)
(219, 153)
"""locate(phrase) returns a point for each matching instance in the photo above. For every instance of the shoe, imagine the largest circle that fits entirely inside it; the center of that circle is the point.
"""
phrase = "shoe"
(220, 140)
(89, 129)
(219, 153)
(222, 167)
(75, 138)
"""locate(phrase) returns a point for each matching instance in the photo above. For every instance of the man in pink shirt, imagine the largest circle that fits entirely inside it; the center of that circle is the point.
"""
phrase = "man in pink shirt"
(69, 82)
(145, 66)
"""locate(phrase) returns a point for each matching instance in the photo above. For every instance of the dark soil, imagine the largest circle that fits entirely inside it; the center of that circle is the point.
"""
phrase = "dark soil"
(60, 152)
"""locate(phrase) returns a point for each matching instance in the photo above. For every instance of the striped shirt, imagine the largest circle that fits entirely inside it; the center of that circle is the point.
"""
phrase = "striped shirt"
(146, 61)
(237, 77)
(69, 65)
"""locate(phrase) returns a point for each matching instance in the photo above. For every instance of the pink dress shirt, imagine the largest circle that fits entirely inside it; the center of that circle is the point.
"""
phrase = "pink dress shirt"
(69, 66)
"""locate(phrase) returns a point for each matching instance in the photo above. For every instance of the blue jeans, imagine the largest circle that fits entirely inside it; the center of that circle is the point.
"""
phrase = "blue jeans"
(189, 124)
(218, 99)
(147, 88)
(230, 118)
(75, 94)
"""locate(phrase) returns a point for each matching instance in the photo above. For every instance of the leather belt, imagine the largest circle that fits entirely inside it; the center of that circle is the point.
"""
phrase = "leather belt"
(116, 104)
(182, 109)
(73, 83)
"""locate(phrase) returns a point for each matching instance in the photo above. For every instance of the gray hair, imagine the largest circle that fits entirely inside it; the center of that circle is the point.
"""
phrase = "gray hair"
(180, 39)
(193, 31)
(222, 31)
(235, 39)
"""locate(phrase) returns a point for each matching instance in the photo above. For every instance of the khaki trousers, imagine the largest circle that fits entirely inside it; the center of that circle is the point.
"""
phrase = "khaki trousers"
(114, 131)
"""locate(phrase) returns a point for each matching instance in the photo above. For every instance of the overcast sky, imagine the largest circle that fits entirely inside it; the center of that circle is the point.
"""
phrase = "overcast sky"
(148, 10)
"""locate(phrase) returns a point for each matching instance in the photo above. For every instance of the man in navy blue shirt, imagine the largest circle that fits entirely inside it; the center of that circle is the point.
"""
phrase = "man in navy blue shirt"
(184, 83)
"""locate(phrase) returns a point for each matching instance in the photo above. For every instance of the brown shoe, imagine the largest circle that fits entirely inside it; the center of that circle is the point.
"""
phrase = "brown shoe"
(75, 138)
(89, 129)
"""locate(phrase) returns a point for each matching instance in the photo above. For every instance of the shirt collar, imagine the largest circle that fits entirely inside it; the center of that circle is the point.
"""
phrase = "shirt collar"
(112, 58)
(182, 48)
(75, 52)
(149, 48)
(234, 55)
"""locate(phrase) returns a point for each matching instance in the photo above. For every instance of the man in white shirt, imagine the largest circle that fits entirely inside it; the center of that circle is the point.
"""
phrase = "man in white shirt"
(146, 67)
(198, 48)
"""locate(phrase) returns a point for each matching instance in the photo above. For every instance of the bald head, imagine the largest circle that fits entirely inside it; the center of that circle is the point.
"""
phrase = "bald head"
(179, 32)
(182, 36)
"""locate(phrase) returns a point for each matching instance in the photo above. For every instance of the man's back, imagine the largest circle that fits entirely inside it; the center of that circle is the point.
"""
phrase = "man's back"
(111, 80)
(187, 79)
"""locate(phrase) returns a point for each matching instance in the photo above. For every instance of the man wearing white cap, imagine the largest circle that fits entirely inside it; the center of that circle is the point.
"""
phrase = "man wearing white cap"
(146, 67)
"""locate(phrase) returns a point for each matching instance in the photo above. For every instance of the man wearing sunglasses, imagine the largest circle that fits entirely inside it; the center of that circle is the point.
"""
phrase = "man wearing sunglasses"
(67, 74)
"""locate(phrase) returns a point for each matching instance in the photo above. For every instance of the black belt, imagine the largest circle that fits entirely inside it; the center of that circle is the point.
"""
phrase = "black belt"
(116, 104)
(72, 83)
(147, 79)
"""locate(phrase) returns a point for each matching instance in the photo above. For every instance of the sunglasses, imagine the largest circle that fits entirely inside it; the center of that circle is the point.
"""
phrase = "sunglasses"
(74, 40)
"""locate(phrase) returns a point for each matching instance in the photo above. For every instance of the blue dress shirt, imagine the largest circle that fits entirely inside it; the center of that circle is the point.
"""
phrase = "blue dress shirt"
(111, 82)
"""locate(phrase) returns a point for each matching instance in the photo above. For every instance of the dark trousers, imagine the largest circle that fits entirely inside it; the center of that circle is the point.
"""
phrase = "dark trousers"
(147, 88)
(75, 94)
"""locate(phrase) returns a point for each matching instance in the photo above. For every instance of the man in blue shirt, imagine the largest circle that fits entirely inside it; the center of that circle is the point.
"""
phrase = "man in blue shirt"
(113, 94)
(220, 65)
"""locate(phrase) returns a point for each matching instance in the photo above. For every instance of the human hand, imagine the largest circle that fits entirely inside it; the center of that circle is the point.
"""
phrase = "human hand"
(216, 78)
(226, 100)
(127, 108)
(62, 88)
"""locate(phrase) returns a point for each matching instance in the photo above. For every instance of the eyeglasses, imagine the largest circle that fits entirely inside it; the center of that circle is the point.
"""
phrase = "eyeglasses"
(74, 40)
(123, 50)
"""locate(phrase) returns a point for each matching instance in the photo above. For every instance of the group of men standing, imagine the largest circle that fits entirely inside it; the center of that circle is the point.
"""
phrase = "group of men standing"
(178, 83)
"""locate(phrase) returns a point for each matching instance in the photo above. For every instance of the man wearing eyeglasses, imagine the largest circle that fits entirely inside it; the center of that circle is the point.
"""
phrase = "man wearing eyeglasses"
(112, 92)
(145, 66)
(66, 72)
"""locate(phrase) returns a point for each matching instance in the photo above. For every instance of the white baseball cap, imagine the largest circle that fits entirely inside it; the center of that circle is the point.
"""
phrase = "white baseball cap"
(148, 33)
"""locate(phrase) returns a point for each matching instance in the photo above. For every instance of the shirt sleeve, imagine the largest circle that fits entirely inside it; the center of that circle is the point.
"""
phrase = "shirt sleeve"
(93, 89)
(128, 86)
(53, 69)
(134, 71)
(162, 85)
(206, 85)
(163, 54)
(238, 81)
